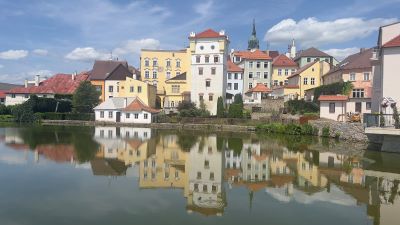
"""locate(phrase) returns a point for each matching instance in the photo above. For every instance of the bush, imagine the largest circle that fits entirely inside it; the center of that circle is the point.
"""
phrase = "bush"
(49, 104)
(325, 131)
(293, 129)
(307, 129)
(6, 118)
(235, 110)
(23, 113)
(189, 109)
(301, 107)
(4, 110)
(220, 107)
(342, 88)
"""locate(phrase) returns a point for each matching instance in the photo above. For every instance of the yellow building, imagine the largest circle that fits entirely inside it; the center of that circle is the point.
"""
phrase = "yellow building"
(131, 87)
(157, 66)
(309, 76)
(177, 90)
(282, 68)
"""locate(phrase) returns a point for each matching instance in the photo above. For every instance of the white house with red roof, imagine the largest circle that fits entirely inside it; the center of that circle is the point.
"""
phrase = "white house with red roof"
(256, 94)
(333, 107)
(386, 68)
(59, 84)
(209, 54)
(234, 81)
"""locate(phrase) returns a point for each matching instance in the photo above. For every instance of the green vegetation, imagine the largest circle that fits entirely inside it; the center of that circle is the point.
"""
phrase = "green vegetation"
(291, 129)
(189, 109)
(65, 116)
(85, 98)
(236, 108)
(338, 88)
(396, 117)
(301, 107)
(23, 113)
(49, 104)
(220, 107)
(325, 131)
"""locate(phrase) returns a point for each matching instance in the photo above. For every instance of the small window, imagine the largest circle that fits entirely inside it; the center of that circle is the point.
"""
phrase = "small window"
(212, 176)
(26, 96)
(131, 89)
(212, 47)
(145, 116)
(210, 98)
(206, 164)
(250, 74)
(265, 64)
(147, 74)
(286, 72)
(312, 81)
(110, 88)
(229, 86)
(250, 85)
(155, 62)
(235, 86)
(168, 75)
(258, 64)
(305, 80)
(236, 76)
(213, 69)
(178, 63)
(366, 76)
(275, 82)
(101, 114)
(352, 76)
(200, 97)
(207, 59)
(201, 47)
(110, 114)
(200, 70)
(198, 175)
(154, 74)
(216, 59)
(229, 76)
(308, 59)
(368, 105)
(265, 75)
(146, 62)
(208, 83)
(198, 59)
(136, 115)
(139, 89)
(250, 64)
(279, 72)
(168, 62)
(128, 115)
(332, 107)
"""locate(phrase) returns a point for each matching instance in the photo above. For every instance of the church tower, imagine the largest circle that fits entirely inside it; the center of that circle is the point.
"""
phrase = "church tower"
(291, 50)
(253, 42)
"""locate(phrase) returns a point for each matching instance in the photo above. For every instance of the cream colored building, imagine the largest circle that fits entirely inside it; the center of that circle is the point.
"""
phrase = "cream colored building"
(132, 87)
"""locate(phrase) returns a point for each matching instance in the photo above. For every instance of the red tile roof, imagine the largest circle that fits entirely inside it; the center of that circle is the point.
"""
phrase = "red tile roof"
(272, 54)
(260, 88)
(333, 98)
(57, 84)
(289, 86)
(395, 42)
(137, 105)
(256, 54)
(209, 33)
(359, 60)
(232, 67)
(283, 60)
(57, 153)
(2, 94)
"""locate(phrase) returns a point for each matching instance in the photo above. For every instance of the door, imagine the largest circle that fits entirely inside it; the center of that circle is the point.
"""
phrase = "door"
(118, 119)
(358, 107)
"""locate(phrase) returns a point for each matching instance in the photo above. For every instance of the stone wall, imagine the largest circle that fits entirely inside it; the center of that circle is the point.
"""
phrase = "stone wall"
(344, 131)
(267, 105)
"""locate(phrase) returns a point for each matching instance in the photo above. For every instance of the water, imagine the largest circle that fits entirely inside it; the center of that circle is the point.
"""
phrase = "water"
(108, 175)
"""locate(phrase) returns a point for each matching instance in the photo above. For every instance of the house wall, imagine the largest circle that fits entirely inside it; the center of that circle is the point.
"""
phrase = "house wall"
(116, 84)
(340, 108)
(140, 119)
(351, 105)
(21, 98)
(304, 60)
(390, 71)
(100, 84)
(106, 117)
(245, 64)
(280, 79)
(172, 100)
(234, 81)
(147, 95)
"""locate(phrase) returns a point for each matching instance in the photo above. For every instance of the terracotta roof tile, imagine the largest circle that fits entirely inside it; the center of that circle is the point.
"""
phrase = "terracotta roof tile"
(137, 105)
(232, 67)
(2, 94)
(260, 88)
(209, 33)
(311, 52)
(272, 54)
(102, 68)
(333, 98)
(57, 84)
(359, 60)
(257, 54)
(283, 60)
(395, 42)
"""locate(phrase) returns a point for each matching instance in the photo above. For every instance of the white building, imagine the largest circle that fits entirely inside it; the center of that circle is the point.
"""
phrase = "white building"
(255, 166)
(234, 80)
(208, 67)
(333, 107)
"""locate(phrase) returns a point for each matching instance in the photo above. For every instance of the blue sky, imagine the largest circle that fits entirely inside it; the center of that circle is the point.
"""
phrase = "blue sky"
(47, 37)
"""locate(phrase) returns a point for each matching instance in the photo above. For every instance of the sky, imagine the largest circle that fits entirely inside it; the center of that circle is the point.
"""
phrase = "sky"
(49, 36)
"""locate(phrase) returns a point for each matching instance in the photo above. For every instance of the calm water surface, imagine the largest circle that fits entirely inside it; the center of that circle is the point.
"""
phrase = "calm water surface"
(108, 175)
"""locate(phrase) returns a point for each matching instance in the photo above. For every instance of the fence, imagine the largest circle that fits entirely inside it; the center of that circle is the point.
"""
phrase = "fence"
(378, 120)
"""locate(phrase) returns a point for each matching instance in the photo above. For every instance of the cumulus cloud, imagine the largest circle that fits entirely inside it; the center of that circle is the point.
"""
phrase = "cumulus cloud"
(41, 52)
(340, 54)
(204, 8)
(20, 77)
(14, 54)
(86, 54)
(313, 32)
(134, 46)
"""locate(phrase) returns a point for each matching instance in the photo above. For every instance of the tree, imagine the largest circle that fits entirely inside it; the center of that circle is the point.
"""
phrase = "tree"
(236, 108)
(220, 107)
(23, 113)
(85, 98)
(396, 117)
(238, 99)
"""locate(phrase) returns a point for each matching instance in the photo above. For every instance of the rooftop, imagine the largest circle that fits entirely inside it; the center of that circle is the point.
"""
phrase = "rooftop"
(260, 88)
(395, 42)
(359, 60)
(256, 54)
(283, 60)
(333, 98)
(311, 52)
(102, 68)
(179, 77)
(302, 69)
(209, 33)
(137, 105)
(232, 67)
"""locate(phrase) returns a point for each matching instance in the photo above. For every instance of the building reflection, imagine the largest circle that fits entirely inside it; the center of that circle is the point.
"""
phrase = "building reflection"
(207, 166)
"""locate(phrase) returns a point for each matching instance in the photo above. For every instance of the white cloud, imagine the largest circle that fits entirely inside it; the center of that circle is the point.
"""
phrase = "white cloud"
(312, 32)
(41, 52)
(14, 54)
(134, 46)
(86, 54)
(340, 54)
(18, 78)
(204, 8)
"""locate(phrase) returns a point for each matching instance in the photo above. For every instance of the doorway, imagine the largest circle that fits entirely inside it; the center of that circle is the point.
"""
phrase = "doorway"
(358, 107)
(118, 119)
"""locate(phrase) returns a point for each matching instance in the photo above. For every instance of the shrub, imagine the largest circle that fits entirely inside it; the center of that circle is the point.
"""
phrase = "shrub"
(4, 110)
(325, 131)
(49, 104)
(381, 120)
(342, 88)
(293, 129)
(220, 107)
(23, 113)
(315, 131)
(307, 129)
(396, 117)
(235, 111)
(301, 106)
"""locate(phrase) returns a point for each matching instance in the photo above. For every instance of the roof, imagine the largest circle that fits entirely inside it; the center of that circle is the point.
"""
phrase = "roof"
(288, 86)
(103, 68)
(283, 60)
(58, 84)
(108, 167)
(120, 73)
(256, 54)
(272, 54)
(311, 52)
(395, 42)
(302, 69)
(181, 76)
(333, 98)
(360, 60)
(57, 152)
(137, 105)
(114, 103)
(260, 88)
(209, 33)
(232, 67)
(2, 94)
(6, 86)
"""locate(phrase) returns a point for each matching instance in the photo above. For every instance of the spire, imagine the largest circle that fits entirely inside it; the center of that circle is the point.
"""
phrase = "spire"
(253, 42)
(254, 28)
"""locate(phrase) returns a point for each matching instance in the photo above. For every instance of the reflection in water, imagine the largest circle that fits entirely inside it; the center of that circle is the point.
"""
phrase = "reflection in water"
(207, 166)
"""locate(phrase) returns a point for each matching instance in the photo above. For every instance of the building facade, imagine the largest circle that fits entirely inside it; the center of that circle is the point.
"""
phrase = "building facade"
(177, 90)
(282, 68)
(234, 81)
(312, 54)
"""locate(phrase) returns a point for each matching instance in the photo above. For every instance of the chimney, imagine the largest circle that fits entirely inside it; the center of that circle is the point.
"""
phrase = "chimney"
(222, 33)
(37, 80)
(26, 83)
(73, 76)
(192, 34)
(125, 102)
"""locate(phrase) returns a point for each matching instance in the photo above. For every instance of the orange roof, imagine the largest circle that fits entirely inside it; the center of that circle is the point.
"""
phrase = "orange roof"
(395, 42)
(289, 86)
(2, 94)
(256, 54)
(135, 143)
(232, 67)
(209, 33)
(333, 98)
(283, 60)
(260, 88)
(137, 105)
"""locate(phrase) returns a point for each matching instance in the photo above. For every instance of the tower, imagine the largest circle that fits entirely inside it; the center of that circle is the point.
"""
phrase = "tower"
(291, 50)
(253, 42)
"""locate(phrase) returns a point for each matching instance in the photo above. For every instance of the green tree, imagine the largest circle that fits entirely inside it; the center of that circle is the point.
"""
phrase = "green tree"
(23, 113)
(238, 99)
(85, 98)
(220, 107)
(236, 108)
(396, 117)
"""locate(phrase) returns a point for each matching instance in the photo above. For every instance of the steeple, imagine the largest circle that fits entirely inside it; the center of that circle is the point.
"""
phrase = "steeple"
(253, 42)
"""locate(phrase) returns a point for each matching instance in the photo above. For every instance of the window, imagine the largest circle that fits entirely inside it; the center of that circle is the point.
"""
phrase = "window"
(213, 69)
(229, 76)
(26, 96)
(236, 76)
(131, 89)
(212, 176)
(200, 70)
(206, 164)
(358, 93)
(154, 62)
(200, 97)
(110, 88)
(110, 133)
(332, 107)
(368, 105)
(146, 62)
(212, 47)
(146, 74)
(229, 86)
(265, 75)
(110, 114)
(196, 187)
(237, 59)
(275, 82)
(198, 59)
(208, 83)
(279, 72)
(207, 59)
(139, 89)
(102, 131)
(265, 64)
(312, 81)
(366, 76)
(201, 47)
(308, 59)
(258, 74)
(258, 65)
(293, 71)
(250, 74)
(352, 76)
(250, 85)
(101, 114)
(136, 115)
(198, 175)
(286, 82)
(168, 74)
(178, 63)
(154, 74)
(235, 86)
(175, 88)
(286, 72)
(210, 98)
(305, 80)
(127, 115)
(205, 188)
(168, 63)
(250, 64)
(216, 58)
(145, 116)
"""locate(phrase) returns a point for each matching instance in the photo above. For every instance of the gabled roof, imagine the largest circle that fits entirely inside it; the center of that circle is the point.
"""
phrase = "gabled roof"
(232, 67)
(360, 60)
(137, 105)
(302, 69)
(333, 98)
(256, 54)
(114, 103)
(181, 76)
(283, 60)
(120, 73)
(2, 94)
(395, 42)
(273, 54)
(311, 52)
(260, 88)
(209, 33)
(103, 68)
(58, 84)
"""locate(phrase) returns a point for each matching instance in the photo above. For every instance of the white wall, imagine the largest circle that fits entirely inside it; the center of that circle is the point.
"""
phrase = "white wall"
(132, 119)
(20, 98)
(391, 73)
(351, 105)
(234, 81)
(106, 118)
(340, 108)
(115, 93)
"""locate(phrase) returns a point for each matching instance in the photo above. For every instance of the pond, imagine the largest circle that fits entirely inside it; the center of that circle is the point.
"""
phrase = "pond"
(124, 175)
